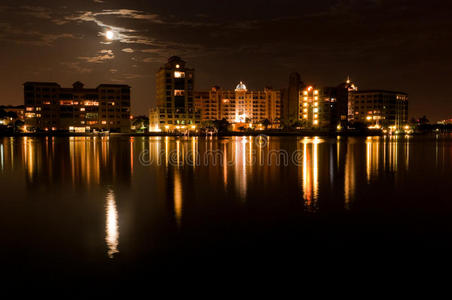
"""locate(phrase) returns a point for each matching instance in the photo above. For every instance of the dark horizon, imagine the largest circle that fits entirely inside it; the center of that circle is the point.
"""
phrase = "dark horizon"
(393, 45)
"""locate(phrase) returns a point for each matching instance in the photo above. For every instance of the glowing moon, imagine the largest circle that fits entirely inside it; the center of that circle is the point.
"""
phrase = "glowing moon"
(110, 35)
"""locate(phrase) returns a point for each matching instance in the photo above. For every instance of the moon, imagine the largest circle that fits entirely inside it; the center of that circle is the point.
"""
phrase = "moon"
(109, 34)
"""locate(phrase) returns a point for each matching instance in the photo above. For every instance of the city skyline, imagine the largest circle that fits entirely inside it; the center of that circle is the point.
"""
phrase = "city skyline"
(397, 46)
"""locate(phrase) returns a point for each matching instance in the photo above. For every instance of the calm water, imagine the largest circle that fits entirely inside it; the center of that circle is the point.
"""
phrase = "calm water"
(122, 207)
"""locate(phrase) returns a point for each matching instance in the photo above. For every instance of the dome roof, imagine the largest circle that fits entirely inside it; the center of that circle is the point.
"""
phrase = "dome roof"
(241, 87)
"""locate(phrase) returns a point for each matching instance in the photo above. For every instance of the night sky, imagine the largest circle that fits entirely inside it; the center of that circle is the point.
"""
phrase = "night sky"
(402, 45)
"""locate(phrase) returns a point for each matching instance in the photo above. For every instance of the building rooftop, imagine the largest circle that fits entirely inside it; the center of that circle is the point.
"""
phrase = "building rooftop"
(113, 85)
(241, 87)
(41, 83)
(76, 85)
(379, 91)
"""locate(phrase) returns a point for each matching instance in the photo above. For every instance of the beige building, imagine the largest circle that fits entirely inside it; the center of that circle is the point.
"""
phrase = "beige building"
(379, 108)
(49, 107)
(240, 106)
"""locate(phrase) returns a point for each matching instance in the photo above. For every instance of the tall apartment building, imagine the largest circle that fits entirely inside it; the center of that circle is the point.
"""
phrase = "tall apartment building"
(240, 106)
(174, 94)
(291, 100)
(341, 94)
(316, 107)
(49, 107)
(379, 108)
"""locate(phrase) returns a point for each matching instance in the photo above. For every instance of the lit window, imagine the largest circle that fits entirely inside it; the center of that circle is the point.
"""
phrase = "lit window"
(305, 104)
(305, 98)
(178, 74)
(305, 116)
(316, 92)
(316, 104)
(179, 92)
(316, 122)
(316, 110)
(91, 103)
(305, 110)
(82, 109)
(104, 122)
(305, 92)
(177, 66)
(316, 116)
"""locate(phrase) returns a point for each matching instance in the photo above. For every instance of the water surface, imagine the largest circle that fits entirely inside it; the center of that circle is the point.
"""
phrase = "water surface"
(106, 207)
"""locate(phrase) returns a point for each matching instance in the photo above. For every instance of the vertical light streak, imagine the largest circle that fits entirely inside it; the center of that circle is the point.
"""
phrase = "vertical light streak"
(30, 160)
(193, 151)
(307, 192)
(243, 177)
(315, 175)
(349, 184)
(178, 152)
(1, 156)
(166, 151)
(177, 198)
(225, 166)
(368, 157)
(131, 155)
(11, 151)
(377, 156)
(111, 225)
(384, 153)
(407, 155)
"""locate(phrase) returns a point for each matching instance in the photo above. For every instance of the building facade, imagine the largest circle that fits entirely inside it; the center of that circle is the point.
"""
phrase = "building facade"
(49, 107)
(175, 109)
(316, 107)
(18, 110)
(9, 115)
(341, 94)
(240, 106)
(291, 100)
(378, 108)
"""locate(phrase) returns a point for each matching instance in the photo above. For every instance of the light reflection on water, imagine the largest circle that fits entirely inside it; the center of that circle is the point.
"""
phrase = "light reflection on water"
(111, 225)
(330, 173)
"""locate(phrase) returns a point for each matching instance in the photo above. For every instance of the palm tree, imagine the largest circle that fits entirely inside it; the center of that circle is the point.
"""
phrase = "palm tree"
(266, 123)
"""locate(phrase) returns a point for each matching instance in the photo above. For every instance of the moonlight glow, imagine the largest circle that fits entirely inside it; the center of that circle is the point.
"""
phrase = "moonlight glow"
(110, 35)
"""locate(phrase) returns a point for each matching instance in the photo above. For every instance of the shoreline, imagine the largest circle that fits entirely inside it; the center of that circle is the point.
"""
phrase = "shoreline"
(228, 134)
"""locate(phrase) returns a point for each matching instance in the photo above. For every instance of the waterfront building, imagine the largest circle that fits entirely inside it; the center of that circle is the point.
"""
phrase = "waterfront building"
(49, 107)
(10, 114)
(291, 100)
(299, 104)
(378, 108)
(19, 110)
(341, 94)
(175, 109)
(445, 122)
(240, 107)
(316, 107)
